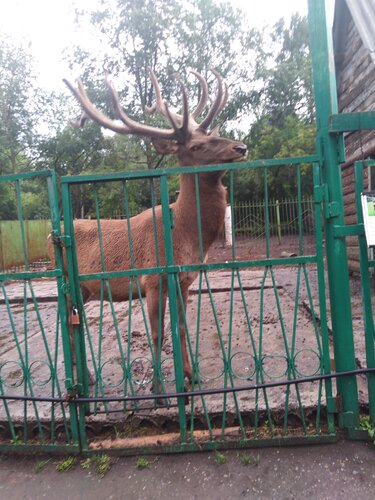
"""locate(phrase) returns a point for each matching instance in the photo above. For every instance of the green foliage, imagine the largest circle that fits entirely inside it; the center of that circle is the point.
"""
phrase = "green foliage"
(34, 200)
(268, 72)
(295, 138)
(65, 464)
(41, 465)
(142, 463)
(366, 425)
(101, 463)
(168, 36)
(16, 440)
(247, 459)
(16, 107)
(287, 76)
(8, 208)
(220, 458)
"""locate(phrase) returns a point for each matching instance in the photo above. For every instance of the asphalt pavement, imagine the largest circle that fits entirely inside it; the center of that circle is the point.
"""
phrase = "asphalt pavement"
(344, 470)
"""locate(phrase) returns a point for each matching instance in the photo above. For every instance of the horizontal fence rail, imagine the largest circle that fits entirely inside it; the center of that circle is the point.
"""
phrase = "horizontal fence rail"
(248, 222)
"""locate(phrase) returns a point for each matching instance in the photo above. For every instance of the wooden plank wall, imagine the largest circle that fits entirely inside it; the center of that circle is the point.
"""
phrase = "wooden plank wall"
(356, 92)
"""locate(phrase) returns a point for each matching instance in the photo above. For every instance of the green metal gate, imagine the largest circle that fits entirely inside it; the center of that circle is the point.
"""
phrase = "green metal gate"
(259, 337)
(35, 359)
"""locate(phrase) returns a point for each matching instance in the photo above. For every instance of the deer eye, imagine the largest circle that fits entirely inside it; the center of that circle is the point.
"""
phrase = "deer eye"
(196, 147)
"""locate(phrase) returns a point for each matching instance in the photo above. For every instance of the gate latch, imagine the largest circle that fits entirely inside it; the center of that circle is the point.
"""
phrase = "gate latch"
(73, 390)
(60, 240)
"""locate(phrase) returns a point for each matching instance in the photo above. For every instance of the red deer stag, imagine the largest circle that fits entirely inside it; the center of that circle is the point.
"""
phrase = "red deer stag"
(193, 144)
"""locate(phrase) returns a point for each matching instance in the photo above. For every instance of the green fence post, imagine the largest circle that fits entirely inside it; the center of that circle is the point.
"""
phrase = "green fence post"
(61, 283)
(366, 290)
(329, 148)
(173, 304)
(79, 386)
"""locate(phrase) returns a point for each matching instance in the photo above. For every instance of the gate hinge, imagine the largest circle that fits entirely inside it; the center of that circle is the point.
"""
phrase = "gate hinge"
(331, 210)
(347, 420)
(65, 288)
(61, 240)
(73, 390)
(320, 193)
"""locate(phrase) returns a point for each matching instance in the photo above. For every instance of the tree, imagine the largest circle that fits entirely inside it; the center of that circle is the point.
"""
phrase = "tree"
(18, 107)
(168, 36)
(285, 113)
(287, 78)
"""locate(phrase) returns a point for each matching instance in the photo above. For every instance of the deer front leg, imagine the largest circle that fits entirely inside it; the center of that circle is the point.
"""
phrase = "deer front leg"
(156, 311)
(184, 348)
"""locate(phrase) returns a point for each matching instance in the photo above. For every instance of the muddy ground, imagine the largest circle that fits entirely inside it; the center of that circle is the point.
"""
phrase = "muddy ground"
(235, 319)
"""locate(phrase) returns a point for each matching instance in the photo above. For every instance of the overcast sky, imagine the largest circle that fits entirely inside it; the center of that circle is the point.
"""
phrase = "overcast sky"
(48, 24)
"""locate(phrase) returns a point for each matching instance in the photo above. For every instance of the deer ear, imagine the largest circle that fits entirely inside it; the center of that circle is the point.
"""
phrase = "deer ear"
(165, 147)
(215, 131)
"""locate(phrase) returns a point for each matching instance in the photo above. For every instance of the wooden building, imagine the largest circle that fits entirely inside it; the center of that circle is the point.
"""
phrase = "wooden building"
(354, 48)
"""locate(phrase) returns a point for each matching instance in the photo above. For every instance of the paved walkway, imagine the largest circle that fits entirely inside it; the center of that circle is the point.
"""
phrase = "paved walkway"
(341, 471)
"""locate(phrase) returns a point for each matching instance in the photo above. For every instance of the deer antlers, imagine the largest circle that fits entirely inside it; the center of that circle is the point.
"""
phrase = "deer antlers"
(182, 125)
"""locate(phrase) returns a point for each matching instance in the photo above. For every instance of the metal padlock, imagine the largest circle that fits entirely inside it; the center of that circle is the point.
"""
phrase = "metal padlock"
(74, 318)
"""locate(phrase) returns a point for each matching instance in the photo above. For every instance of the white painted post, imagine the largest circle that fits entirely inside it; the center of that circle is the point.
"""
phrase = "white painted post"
(228, 226)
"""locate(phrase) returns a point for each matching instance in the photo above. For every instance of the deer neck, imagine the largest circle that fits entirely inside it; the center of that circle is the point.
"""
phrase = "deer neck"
(212, 203)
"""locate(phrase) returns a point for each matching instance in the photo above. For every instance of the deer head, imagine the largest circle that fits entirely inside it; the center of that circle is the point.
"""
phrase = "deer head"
(191, 142)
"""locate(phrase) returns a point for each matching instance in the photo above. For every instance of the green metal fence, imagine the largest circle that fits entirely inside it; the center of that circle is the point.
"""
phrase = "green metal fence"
(283, 217)
(256, 329)
(34, 365)
(255, 351)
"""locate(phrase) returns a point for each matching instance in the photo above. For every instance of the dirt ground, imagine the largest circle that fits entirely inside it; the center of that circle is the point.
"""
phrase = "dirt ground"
(273, 316)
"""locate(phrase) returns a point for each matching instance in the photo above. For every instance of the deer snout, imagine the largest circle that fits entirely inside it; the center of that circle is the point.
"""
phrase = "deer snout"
(241, 149)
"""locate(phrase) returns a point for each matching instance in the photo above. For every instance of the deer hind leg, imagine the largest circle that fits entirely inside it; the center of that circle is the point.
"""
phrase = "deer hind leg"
(156, 312)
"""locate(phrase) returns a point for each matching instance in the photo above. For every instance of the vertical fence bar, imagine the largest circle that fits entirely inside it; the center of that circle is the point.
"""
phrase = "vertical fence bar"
(61, 298)
(278, 222)
(366, 291)
(173, 305)
(329, 148)
(77, 344)
(322, 294)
